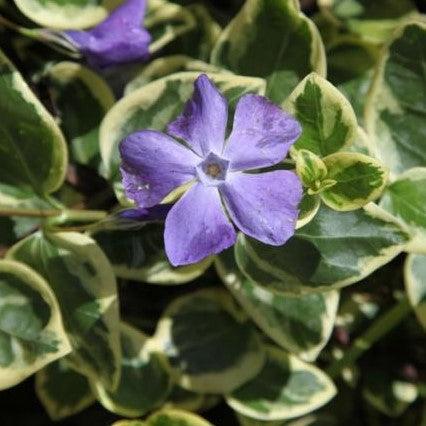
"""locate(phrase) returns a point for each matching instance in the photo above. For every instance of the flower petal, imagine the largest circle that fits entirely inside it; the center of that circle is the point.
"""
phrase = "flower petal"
(203, 121)
(118, 39)
(262, 134)
(145, 214)
(153, 164)
(264, 206)
(197, 227)
(130, 13)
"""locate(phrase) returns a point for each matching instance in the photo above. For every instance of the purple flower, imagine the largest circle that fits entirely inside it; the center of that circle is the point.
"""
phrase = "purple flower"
(262, 205)
(118, 39)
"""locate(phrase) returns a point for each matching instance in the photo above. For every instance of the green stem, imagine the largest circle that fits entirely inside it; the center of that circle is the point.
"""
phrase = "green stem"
(54, 38)
(383, 325)
(84, 215)
(61, 215)
(30, 212)
(11, 25)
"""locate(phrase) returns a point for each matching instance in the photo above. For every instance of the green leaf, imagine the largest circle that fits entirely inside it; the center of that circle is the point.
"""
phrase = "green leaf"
(350, 65)
(210, 345)
(153, 106)
(308, 208)
(32, 151)
(83, 281)
(396, 107)
(358, 310)
(372, 20)
(247, 421)
(62, 391)
(327, 118)
(199, 41)
(81, 98)
(12, 228)
(313, 419)
(415, 284)
(185, 400)
(271, 39)
(139, 255)
(166, 21)
(363, 144)
(167, 417)
(300, 324)
(31, 330)
(310, 168)
(144, 381)
(405, 199)
(285, 388)
(70, 14)
(164, 66)
(333, 250)
(386, 393)
(358, 178)
(129, 423)
(172, 417)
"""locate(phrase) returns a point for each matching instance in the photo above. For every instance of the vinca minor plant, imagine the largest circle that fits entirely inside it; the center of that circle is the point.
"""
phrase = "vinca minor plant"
(212, 213)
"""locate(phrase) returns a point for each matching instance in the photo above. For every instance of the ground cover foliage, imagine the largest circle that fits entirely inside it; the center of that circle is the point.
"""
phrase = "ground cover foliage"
(96, 324)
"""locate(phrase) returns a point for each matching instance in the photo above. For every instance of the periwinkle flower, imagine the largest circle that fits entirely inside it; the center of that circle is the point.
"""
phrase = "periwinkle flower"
(119, 39)
(262, 205)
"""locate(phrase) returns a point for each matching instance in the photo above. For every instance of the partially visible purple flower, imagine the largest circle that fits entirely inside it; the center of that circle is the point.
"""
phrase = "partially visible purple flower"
(119, 39)
(263, 206)
(146, 214)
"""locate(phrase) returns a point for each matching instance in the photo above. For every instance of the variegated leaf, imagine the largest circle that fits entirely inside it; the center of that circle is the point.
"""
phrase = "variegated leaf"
(144, 381)
(185, 400)
(129, 423)
(285, 388)
(193, 332)
(167, 417)
(271, 39)
(386, 392)
(373, 21)
(310, 168)
(350, 67)
(165, 21)
(164, 66)
(12, 228)
(139, 255)
(71, 14)
(358, 179)
(308, 208)
(81, 98)
(31, 330)
(363, 144)
(173, 417)
(199, 41)
(334, 250)
(405, 199)
(299, 324)
(153, 106)
(327, 118)
(415, 284)
(33, 155)
(62, 391)
(396, 108)
(247, 421)
(83, 281)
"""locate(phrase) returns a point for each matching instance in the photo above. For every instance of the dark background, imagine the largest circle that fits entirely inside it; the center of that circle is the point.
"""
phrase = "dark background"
(19, 405)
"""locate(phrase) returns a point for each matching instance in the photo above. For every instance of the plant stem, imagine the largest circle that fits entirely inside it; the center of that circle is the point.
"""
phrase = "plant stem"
(63, 215)
(54, 38)
(30, 212)
(381, 326)
(84, 215)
